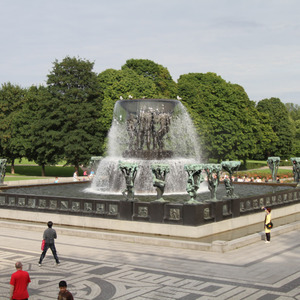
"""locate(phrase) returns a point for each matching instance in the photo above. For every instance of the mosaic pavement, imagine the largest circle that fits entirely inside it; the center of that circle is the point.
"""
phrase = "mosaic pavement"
(115, 270)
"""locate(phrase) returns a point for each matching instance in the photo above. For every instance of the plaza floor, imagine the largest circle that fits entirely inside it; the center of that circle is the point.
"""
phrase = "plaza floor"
(103, 269)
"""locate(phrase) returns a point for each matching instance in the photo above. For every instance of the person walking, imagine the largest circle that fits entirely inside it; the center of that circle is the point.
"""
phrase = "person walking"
(64, 294)
(18, 283)
(267, 221)
(49, 236)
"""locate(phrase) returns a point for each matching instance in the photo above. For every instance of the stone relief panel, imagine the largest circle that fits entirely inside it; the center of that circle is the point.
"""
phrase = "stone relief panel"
(248, 205)
(11, 201)
(64, 204)
(2, 200)
(100, 208)
(112, 209)
(255, 203)
(206, 213)
(174, 214)
(87, 206)
(21, 201)
(42, 203)
(32, 203)
(143, 211)
(53, 204)
(75, 205)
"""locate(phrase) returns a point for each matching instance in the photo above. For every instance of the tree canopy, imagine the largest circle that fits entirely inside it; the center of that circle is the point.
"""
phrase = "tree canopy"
(228, 123)
(166, 86)
(294, 114)
(12, 99)
(69, 118)
(74, 88)
(281, 125)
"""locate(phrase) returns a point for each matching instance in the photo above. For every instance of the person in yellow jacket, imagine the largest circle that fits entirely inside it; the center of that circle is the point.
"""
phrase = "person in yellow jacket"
(267, 221)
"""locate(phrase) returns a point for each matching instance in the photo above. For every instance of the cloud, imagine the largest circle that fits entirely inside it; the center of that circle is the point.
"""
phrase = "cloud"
(251, 43)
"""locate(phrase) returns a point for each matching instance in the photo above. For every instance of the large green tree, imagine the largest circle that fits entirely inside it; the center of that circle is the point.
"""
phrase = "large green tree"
(228, 123)
(12, 99)
(39, 125)
(75, 90)
(281, 125)
(160, 75)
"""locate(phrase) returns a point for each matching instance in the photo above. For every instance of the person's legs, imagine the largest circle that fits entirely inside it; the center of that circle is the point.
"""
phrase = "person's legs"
(46, 247)
(53, 249)
(268, 236)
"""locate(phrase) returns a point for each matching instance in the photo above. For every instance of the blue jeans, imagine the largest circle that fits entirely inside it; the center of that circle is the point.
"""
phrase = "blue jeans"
(52, 247)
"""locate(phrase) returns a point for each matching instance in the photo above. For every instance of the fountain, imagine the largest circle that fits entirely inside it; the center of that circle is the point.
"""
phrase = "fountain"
(296, 169)
(195, 178)
(273, 163)
(156, 135)
(2, 170)
(230, 167)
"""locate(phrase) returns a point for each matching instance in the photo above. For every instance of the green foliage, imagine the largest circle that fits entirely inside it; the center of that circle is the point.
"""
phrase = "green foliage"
(294, 114)
(12, 99)
(226, 120)
(77, 99)
(157, 73)
(281, 125)
(53, 171)
(39, 124)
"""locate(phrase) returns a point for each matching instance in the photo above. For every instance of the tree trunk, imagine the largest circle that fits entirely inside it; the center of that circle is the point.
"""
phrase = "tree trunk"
(12, 167)
(43, 170)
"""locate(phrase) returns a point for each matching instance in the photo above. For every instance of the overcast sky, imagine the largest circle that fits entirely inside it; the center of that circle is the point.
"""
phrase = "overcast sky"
(253, 43)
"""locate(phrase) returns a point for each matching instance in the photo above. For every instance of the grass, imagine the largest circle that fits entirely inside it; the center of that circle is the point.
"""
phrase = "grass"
(25, 161)
(36, 171)
(17, 178)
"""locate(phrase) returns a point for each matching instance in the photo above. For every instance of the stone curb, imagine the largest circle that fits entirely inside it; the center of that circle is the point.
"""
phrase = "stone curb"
(215, 246)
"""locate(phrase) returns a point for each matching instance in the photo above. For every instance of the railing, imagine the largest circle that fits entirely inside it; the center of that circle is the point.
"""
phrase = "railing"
(154, 212)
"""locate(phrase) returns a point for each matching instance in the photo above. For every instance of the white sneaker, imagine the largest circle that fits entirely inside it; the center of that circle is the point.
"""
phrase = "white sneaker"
(40, 265)
(267, 242)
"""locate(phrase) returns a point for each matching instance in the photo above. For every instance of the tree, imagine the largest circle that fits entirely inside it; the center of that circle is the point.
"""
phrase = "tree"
(294, 114)
(281, 125)
(12, 99)
(74, 88)
(39, 126)
(227, 121)
(157, 73)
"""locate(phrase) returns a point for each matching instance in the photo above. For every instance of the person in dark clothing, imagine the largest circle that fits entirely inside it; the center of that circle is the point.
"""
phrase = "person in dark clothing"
(64, 294)
(49, 236)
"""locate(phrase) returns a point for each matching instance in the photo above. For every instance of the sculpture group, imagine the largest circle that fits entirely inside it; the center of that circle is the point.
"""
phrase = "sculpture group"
(196, 176)
(2, 170)
(160, 171)
(146, 132)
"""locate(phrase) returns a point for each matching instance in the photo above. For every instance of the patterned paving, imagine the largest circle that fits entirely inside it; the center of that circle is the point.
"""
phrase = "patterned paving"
(97, 279)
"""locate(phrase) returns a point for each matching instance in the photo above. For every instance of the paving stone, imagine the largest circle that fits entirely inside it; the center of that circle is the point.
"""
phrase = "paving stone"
(97, 269)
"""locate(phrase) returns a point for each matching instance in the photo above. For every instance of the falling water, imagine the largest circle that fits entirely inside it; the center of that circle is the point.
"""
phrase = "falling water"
(148, 131)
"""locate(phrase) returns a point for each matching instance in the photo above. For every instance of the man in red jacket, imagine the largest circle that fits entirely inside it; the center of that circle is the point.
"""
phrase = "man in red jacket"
(18, 283)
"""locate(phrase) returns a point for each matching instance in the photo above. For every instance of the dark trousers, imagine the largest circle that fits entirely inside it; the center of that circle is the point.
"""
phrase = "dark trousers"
(268, 236)
(52, 247)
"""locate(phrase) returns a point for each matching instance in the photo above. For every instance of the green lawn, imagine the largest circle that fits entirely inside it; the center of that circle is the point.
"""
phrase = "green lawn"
(36, 171)
(17, 178)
